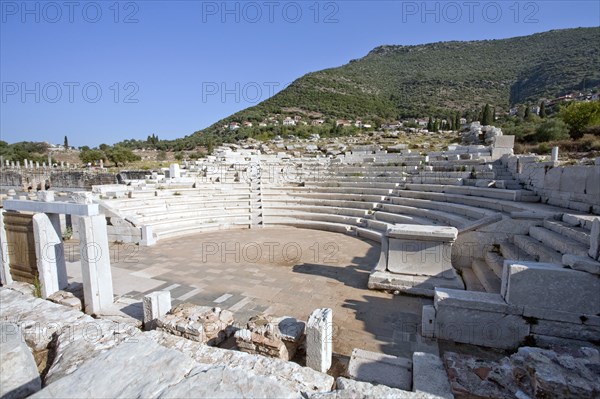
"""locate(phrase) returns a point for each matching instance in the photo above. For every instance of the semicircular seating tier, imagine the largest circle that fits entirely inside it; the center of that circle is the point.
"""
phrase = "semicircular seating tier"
(365, 200)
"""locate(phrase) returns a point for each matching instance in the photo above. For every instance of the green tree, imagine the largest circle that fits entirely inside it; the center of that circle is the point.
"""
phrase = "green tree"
(430, 124)
(121, 155)
(581, 116)
(527, 113)
(66, 143)
(91, 156)
(487, 116)
(543, 109)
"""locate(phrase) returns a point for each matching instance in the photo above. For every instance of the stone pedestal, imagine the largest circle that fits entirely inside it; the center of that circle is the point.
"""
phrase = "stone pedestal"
(319, 340)
(156, 305)
(416, 259)
(554, 154)
(174, 171)
(95, 263)
(147, 236)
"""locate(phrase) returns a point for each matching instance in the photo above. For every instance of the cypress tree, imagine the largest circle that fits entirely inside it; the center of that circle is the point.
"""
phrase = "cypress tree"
(487, 116)
(542, 109)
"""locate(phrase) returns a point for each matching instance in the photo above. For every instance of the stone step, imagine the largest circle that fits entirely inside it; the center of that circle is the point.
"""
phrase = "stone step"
(558, 242)
(511, 251)
(567, 230)
(512, 185)
(537, 249)
(486, 276)
(471, 281)
(495, 262)
(584, 221)
(527, 196)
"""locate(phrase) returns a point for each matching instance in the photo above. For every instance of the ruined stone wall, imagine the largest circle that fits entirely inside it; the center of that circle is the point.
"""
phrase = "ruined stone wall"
(37, 178)
(134, 174)
(10, 178)
(575, 187)
(81, 179)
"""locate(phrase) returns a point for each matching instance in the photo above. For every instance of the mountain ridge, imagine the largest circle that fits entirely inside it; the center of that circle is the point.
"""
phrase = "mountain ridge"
(434, 79)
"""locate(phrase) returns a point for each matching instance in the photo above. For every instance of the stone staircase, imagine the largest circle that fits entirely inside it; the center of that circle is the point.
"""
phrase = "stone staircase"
(546, 243)
(256, 211)
(502, 173)
(510, 183)
(549, 242)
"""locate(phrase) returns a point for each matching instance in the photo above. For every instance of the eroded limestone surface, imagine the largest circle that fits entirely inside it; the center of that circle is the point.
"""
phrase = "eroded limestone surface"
(100, 358)
(269, 336)
(198, 323)
(531, 372)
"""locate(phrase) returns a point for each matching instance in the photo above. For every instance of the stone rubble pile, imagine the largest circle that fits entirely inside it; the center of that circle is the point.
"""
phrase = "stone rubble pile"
(272, 337)
(204, 324)
(66, 298)
(476, 133)
(531, 372)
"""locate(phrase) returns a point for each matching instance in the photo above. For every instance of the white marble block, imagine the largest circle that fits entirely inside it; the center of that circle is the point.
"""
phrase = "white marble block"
(156, 304)
(428, 321)
(19, 376)
(46, 241)
(478, 318)
(83, 197)
(59, 250)
(429, 376)
(378, 368)
(147, 236)
(319, 340)
(174, 171)
(550, 286)
(421, 250)
(46, 196)
(95, 263)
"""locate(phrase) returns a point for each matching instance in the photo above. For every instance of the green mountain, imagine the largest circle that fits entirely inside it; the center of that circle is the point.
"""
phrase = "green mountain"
(433, 79)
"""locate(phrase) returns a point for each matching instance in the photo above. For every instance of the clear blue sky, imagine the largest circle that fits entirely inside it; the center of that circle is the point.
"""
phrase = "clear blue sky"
(170, 60)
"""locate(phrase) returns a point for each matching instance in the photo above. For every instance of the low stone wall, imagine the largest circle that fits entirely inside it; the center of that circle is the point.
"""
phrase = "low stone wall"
(536, 304)
(575, 187)
(134, 174)
(39, 178)
(80, 179)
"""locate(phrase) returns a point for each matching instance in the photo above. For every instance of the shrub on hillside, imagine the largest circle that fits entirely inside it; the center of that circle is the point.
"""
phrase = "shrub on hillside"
(551, 130)
(581, 116)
